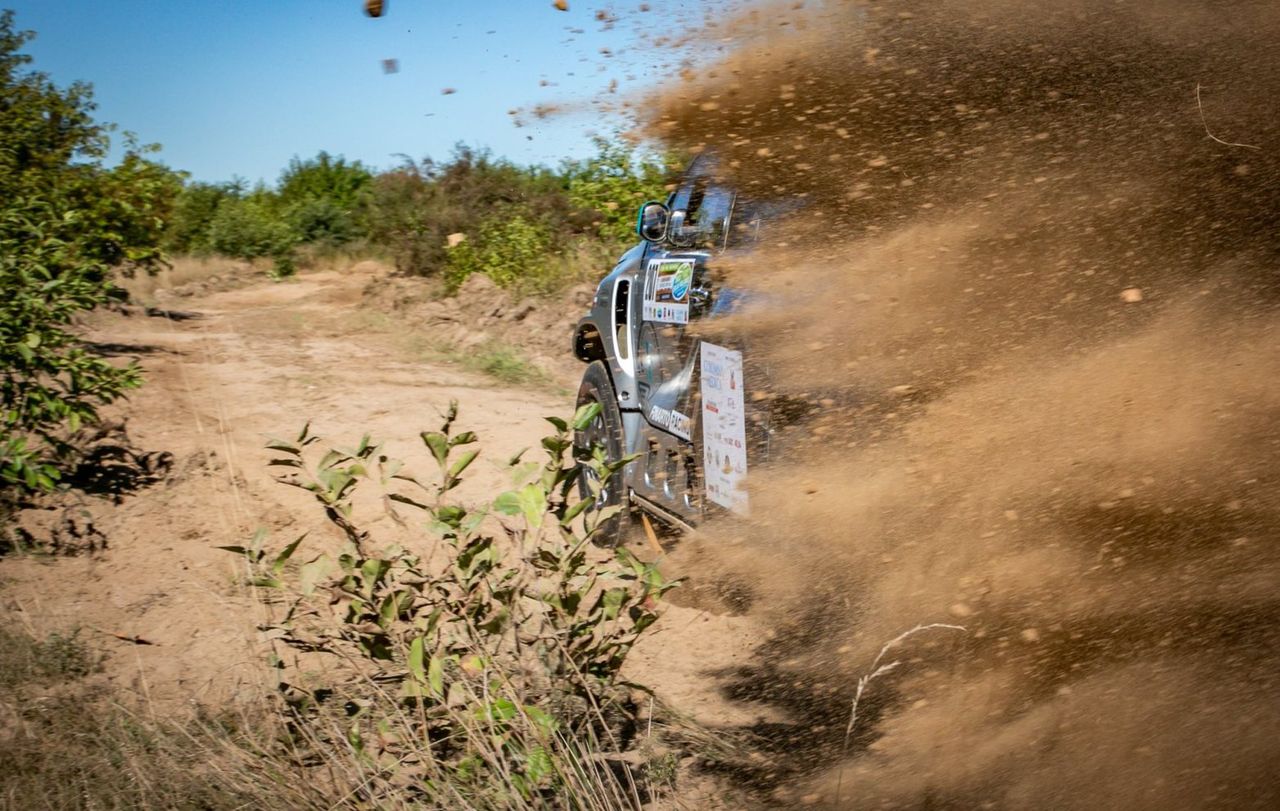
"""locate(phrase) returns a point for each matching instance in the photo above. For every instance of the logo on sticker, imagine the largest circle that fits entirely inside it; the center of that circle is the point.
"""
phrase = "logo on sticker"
(680, 282)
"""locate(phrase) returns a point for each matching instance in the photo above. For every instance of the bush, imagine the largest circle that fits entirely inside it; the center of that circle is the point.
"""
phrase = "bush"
(66, 223)
(324, 199)
(247, 229)
(322, 222)
(524, 227)
(193, 213)
(507, 247)
(485, 674)
(613, 185)
(49, 384)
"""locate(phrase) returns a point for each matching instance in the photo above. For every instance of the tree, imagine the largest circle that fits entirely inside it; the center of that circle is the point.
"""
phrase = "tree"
(612, 185)
(324, 198)
(67, 223)
(193, 212)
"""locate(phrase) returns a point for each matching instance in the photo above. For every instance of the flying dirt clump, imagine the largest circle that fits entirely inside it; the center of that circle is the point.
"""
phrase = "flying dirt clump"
(1029, 287)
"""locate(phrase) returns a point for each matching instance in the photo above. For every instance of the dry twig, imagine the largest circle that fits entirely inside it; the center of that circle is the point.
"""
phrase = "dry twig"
(1206, 125)
(878, 670)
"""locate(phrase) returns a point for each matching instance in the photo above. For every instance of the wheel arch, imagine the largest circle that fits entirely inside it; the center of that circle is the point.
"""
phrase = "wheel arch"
(588, 343)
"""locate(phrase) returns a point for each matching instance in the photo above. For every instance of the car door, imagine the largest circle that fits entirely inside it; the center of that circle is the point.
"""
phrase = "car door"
(678, 290)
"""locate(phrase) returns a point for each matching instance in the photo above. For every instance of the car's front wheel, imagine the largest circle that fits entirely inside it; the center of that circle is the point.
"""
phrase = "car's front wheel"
(604, 431)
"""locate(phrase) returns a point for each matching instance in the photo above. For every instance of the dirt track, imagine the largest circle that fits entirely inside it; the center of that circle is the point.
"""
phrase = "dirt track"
(226, 371)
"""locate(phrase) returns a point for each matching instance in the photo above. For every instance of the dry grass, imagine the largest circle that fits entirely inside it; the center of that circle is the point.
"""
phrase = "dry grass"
(67, 742)
(186, 270)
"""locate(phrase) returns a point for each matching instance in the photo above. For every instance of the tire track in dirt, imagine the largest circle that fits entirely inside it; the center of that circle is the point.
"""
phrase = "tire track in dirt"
(226, 371)
(229, 370)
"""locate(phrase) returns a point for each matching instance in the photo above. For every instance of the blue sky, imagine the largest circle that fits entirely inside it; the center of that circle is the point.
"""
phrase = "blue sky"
(233, 87)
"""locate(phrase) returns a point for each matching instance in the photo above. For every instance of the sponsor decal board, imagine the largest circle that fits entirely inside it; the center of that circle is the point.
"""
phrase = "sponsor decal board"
(724, 427)
(667, 296)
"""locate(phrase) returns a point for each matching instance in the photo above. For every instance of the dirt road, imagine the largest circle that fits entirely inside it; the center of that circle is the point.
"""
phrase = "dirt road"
(227, 370)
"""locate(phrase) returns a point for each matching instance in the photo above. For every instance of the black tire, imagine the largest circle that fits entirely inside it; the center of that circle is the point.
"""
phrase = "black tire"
(605, 430)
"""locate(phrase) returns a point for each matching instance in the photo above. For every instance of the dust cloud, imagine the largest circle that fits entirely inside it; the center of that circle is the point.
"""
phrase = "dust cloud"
(1023, 329)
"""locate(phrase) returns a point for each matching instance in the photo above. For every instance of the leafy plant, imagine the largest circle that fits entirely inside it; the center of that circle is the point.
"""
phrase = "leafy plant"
(193, 213)
(66, 224)
(247, 229)
(612, 185)
(485, 662)
(506, 247)
(49, 384)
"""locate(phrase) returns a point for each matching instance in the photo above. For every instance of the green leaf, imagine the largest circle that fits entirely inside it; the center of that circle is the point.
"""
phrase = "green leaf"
(464, 438)
(278, 565)
(462, 464)
(372, 572)
(438, 444)
(435, 677)
(507, 503)
(533, 503)
(613, 599)
(451, 515)
(538, 766)
(406, 500)
(585, 414)
(415, 663)
(542, 721)
(574, 511)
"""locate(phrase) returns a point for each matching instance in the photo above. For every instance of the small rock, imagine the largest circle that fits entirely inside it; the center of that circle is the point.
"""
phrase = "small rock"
(1131, 295)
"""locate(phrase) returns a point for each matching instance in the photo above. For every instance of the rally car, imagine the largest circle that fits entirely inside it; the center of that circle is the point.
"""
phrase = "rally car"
(679, 403)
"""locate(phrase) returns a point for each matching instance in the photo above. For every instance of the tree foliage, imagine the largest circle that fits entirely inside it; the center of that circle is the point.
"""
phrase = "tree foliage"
(66, 223)
(523, 226)
(193, 213)
(519, 225)
(612, 185)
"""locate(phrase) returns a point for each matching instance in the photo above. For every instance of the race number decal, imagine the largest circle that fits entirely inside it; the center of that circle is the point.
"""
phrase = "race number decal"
(724, 427)
(667, 297)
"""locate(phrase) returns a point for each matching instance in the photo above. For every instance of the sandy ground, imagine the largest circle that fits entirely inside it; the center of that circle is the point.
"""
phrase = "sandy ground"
(226, 371)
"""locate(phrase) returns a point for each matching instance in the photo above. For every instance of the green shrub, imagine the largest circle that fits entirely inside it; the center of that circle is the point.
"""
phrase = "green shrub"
(507, 248)
(66, 224)
(484, 674)
(247, 229)
(324, 199)
(613, 185)
(322, 222)
(49, 384)
(193, 213)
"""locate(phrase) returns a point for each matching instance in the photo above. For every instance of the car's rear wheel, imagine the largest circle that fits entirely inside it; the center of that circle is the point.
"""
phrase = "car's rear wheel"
(604, 431)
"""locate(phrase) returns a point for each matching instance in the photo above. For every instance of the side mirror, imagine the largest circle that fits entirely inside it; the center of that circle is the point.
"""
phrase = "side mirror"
(651, 224)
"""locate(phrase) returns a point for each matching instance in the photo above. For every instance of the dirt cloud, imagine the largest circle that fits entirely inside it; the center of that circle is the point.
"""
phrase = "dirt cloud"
(1029, 294)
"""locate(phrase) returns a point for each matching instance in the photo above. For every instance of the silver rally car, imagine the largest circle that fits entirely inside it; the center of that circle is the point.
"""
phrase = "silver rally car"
(677, 402)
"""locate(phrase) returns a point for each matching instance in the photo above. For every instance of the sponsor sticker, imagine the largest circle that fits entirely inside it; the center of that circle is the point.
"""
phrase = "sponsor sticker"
(673, 421)
(667, 295)
(724, 427)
